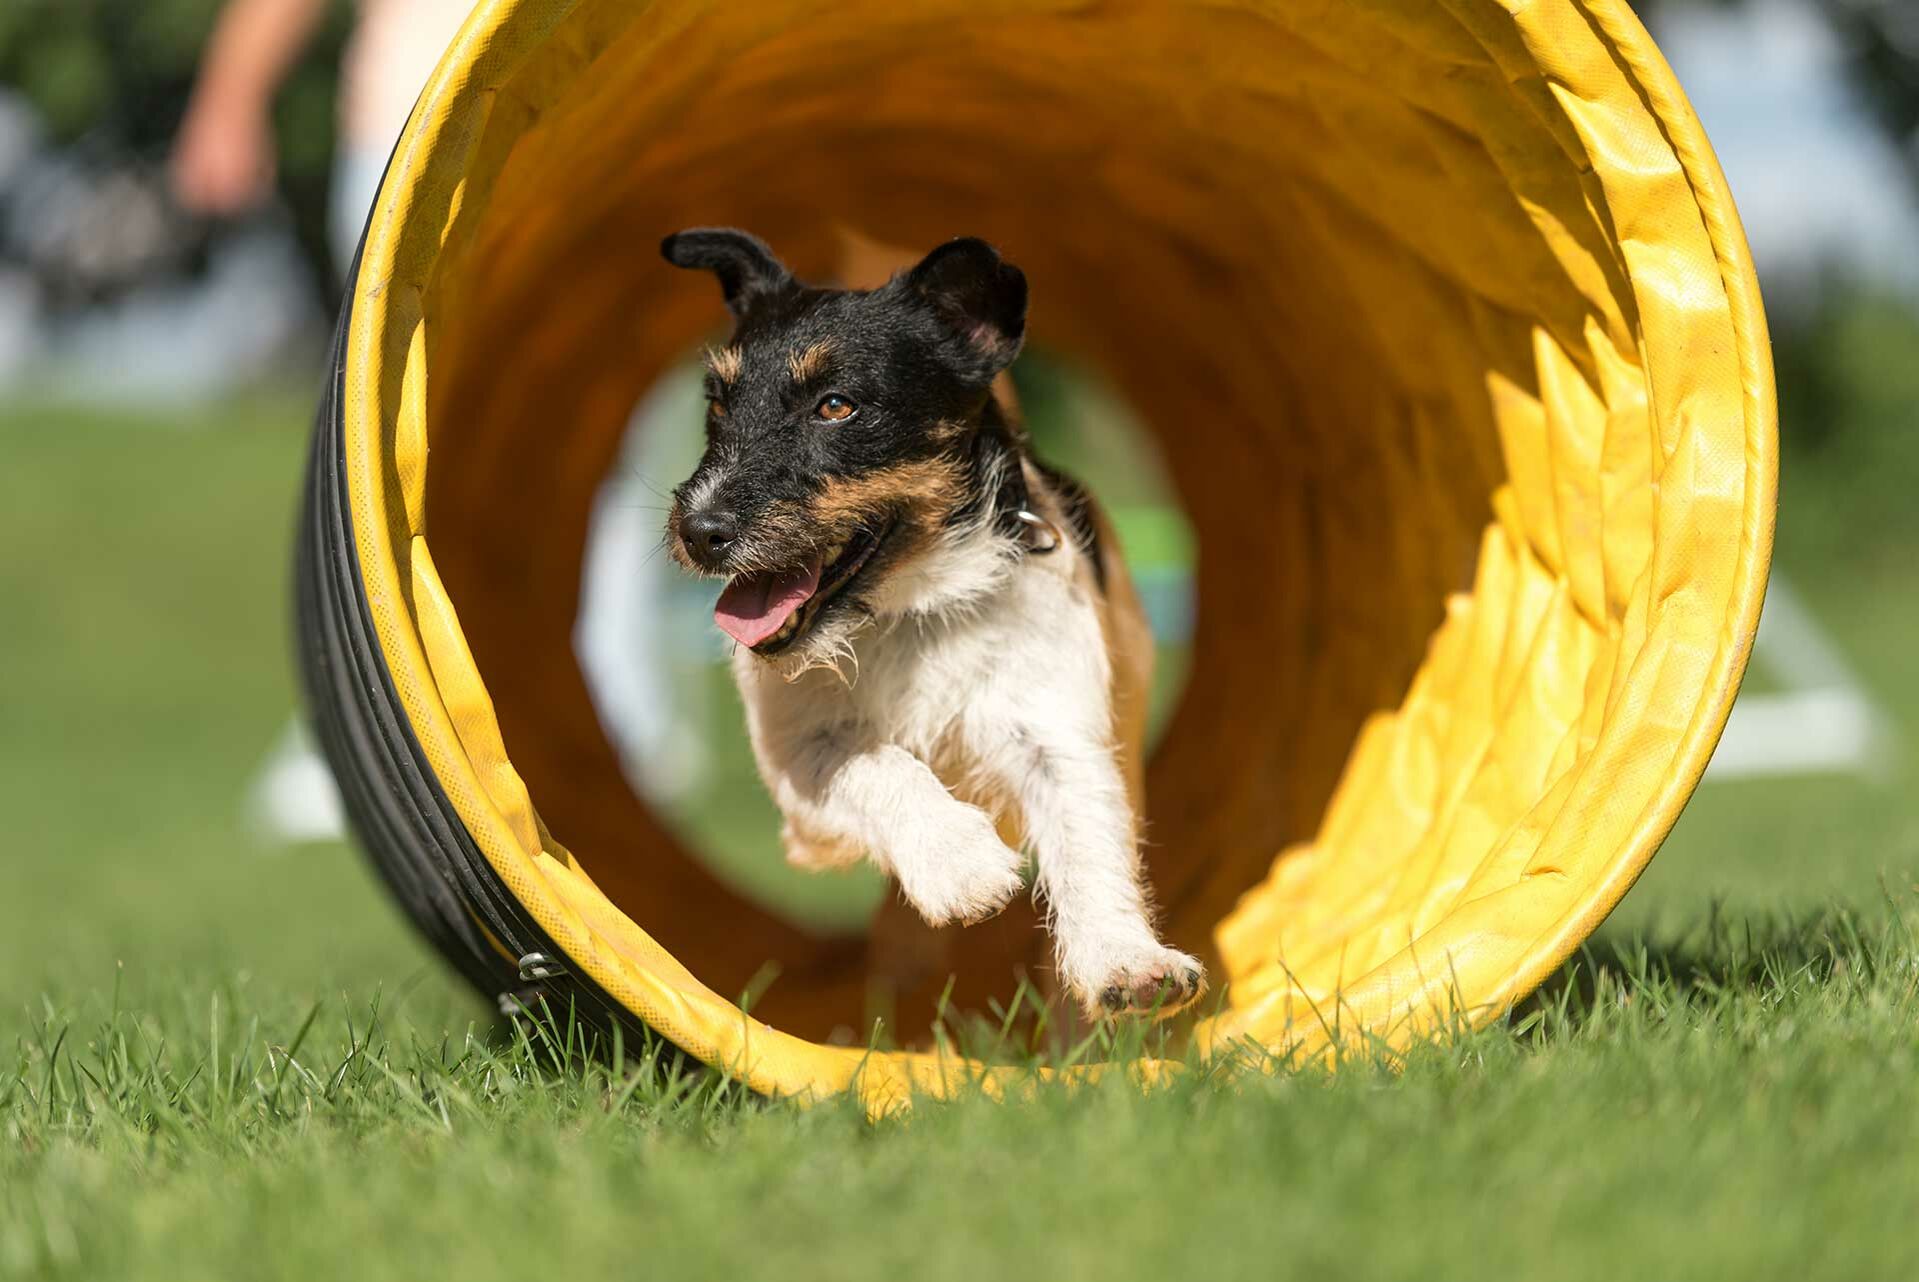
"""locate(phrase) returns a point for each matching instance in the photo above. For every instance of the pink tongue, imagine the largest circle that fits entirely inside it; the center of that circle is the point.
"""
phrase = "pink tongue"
(755, 606)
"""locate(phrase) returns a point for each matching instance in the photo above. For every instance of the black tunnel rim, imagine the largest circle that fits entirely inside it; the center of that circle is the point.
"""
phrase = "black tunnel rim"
(395, 805)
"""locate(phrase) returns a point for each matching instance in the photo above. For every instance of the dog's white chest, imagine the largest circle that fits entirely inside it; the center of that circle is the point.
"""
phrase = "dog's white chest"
(931, 684)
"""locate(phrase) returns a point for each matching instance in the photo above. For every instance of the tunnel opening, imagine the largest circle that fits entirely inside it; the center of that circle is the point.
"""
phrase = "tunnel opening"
(1458, 377)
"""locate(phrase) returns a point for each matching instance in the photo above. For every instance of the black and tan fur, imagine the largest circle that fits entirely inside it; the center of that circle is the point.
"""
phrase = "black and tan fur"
(955, 684)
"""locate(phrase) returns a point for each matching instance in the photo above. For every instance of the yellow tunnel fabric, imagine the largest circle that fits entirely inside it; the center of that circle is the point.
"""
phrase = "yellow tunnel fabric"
(1443, 318)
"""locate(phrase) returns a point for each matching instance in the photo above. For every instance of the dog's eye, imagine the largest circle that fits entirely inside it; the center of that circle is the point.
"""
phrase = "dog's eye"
(834, 409)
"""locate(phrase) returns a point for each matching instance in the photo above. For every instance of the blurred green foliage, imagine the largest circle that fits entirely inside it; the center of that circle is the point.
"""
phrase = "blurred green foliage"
(124, 68)
(1879, 45)
(112, 77)
(1848, 378)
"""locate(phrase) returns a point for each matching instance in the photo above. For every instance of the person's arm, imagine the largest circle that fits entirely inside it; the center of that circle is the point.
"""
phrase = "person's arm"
(223, 156)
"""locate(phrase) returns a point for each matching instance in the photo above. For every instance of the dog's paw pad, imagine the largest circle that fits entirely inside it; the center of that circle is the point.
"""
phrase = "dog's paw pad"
(1159, 986)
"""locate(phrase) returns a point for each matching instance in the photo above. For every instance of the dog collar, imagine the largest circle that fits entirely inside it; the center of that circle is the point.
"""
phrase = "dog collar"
(1018, 521)
(1034, 532)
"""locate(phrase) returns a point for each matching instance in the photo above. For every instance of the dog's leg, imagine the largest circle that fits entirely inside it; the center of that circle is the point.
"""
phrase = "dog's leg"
(812, 851)
(880, 798)
(1080, 824)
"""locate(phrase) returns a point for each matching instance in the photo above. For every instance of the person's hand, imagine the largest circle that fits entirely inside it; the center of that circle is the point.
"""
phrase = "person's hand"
(223, 157)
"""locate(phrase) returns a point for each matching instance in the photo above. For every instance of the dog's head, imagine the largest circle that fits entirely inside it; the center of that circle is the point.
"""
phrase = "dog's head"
(851, 438)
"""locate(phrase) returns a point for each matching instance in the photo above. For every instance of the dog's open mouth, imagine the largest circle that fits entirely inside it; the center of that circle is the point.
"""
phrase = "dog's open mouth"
(768, 612)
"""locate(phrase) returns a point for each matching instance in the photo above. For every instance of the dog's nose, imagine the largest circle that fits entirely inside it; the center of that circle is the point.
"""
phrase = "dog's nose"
(707, 535)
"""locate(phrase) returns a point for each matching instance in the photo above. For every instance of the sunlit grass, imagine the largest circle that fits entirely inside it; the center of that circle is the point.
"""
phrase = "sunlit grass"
(222, 1060)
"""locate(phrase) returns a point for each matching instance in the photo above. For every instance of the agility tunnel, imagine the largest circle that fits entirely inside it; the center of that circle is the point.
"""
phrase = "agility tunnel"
(1439, 311)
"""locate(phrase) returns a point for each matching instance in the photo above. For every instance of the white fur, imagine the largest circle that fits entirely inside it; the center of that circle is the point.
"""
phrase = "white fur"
(978, 701)
(701, 492)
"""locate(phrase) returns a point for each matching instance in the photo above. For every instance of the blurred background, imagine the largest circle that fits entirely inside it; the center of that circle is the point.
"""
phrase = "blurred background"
(181, 186)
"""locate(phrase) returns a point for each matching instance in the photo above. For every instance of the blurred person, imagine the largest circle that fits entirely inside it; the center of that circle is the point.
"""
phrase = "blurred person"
(223, 159)
(223, 164)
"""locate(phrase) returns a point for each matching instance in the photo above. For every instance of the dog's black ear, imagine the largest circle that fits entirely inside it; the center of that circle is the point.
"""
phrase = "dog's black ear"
(744, 263)
(980, 295)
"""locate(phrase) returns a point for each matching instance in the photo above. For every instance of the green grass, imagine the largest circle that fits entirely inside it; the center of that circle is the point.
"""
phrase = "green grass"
(219, 1060)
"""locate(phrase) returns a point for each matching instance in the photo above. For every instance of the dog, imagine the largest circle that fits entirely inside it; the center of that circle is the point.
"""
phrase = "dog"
(940, 651)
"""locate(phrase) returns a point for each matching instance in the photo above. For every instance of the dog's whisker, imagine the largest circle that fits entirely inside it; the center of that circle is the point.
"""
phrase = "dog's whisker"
(634, 473)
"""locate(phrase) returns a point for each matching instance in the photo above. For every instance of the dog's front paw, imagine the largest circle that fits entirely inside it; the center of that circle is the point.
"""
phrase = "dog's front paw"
(964, 875)
(1156, 981)
(812, 853)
